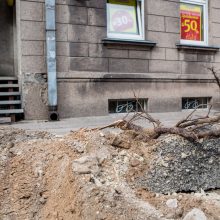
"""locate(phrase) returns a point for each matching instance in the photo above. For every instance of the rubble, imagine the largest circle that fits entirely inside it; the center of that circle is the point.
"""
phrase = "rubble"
(195, 214)
(172, 203)
(83, 176)
(179, 165)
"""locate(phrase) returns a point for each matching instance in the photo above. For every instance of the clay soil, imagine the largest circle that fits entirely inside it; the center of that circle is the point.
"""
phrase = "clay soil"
(85, 175)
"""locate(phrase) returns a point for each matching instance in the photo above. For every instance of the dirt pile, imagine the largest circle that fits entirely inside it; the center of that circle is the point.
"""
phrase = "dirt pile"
(89, 175)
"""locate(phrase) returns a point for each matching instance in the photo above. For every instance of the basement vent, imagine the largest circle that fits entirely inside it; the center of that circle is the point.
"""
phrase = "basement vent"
(197, 102)
(127, 105)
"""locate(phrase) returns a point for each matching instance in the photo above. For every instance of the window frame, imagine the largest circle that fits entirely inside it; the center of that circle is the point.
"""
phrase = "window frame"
(204, 4)
(140, 17)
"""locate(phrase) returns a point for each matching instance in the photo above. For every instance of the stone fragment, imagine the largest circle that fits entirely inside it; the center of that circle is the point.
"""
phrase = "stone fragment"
(195, 214)
(120, 142)
(135, 162)
(85, 165)
(172, 203)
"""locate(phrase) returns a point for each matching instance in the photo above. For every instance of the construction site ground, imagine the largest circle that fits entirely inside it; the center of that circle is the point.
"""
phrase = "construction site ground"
(58, 171)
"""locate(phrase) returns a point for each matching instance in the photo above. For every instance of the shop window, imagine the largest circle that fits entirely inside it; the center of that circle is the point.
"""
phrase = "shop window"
(194, 22)
(125, 19)
(127, 105)
(195, 103)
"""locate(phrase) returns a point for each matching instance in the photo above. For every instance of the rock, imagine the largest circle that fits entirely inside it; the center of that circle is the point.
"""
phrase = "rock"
(195, 214)
(101, 134)
(43, 200)
(86, 165)
(77, 146)
(135, 162)
(118, 141)
(175, 214)
(172, 203)
(183, 155)
(118, 190)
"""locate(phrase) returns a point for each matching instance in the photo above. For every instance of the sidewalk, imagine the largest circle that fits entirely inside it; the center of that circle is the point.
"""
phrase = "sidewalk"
(64, 126)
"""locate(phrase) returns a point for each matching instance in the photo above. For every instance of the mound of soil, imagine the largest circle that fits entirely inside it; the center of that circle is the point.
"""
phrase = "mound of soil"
(91, 175)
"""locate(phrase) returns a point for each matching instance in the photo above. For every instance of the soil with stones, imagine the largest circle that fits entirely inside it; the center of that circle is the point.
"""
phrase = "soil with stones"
(109, 174)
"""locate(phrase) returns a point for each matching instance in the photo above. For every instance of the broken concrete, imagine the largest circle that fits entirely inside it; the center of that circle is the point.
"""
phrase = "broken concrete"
(178, 165)
(83, 177)
(195, 214)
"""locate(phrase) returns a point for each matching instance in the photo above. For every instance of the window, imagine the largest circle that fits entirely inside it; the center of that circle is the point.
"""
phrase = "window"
(125, 19)
(194, 22)
(195, 103)
(127, 105)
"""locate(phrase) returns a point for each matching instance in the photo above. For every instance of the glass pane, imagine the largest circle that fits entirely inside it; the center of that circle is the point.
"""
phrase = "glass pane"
(122, 17)
(192, 26)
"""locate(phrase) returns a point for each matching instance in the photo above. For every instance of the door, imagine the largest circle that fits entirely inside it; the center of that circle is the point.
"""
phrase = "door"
(6, 40)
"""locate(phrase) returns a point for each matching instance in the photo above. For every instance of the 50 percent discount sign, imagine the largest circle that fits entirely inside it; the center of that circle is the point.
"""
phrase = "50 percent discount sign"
(191, 22)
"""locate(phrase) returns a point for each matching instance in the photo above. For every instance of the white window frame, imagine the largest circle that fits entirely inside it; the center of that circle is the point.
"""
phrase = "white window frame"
(140, 15)
(204, 4)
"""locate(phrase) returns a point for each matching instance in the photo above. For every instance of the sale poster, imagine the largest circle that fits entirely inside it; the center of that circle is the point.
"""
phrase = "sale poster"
(122, 19)
(191, 22)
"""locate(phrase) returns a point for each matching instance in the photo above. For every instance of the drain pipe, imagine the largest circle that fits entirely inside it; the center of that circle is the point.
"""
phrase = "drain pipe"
(51, 58)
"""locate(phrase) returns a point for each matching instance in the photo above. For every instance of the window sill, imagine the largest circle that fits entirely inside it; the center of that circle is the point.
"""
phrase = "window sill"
(141, 43)
(197, 47)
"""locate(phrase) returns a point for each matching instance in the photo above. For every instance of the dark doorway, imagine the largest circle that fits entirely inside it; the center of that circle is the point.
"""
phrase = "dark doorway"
(6, 39)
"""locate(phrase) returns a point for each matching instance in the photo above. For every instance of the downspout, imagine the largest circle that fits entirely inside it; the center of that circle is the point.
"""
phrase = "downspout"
(51, 59)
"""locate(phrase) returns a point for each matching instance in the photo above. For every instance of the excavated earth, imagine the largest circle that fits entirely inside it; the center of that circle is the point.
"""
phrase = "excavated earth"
(108, 174)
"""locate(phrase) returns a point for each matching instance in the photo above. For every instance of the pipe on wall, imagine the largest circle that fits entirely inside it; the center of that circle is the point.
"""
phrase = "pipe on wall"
(51, 58)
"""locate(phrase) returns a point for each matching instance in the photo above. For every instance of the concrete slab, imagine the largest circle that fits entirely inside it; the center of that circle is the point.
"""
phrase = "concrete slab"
(5, 120)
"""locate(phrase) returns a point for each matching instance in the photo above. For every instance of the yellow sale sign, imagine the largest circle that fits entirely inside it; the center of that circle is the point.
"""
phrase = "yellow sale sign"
(191, 17)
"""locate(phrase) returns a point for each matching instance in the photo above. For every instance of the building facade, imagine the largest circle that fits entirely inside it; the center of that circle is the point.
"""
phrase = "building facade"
(108, 53)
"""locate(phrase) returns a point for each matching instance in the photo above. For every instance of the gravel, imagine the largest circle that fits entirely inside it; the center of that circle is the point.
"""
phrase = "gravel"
(183, 166)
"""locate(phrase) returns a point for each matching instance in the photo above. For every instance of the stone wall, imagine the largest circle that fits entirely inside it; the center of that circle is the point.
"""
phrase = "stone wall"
(83, 62)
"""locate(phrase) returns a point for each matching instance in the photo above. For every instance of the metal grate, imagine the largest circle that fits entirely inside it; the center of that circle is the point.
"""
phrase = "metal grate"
(127, 105)
(195, 102)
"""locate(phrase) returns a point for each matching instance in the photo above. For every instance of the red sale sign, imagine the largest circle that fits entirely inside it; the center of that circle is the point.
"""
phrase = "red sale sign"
(191, 22)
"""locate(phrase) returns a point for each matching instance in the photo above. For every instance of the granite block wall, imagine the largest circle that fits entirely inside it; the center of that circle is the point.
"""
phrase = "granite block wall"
(82, 58)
